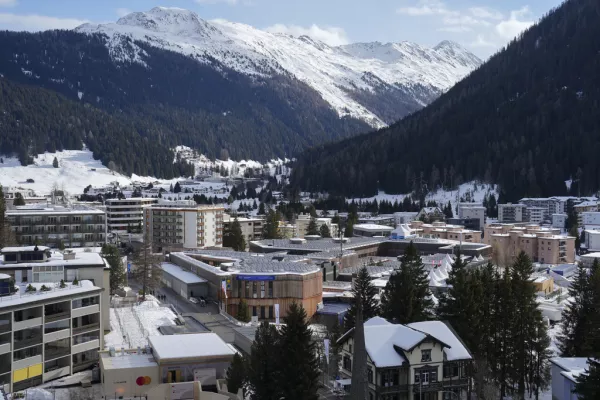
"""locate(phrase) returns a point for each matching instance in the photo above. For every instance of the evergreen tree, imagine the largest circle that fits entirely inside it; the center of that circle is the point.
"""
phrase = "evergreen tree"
(576, 316)
(460, 304)
(147, 270)
(313, 228)
(300, 367)
(243, 312)
(528, 369)
(7, 235)
(117, 271)
(406, 297)
(364, 292)
(234, 237)
(349, 231)
(588, 384)
(55, 162)
(263, 368)
(19, 200)
(177, 187)
(261, 209)
(324, 231)
(236, 374)
(448, 210)
(271, 226)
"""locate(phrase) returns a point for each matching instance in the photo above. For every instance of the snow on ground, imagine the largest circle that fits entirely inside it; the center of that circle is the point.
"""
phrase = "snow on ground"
(77, 169)
(470, 190)
(131, 326)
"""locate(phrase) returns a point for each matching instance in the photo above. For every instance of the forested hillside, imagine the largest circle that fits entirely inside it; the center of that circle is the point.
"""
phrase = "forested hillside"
(35, 120)
(528, 119)
(169, 99)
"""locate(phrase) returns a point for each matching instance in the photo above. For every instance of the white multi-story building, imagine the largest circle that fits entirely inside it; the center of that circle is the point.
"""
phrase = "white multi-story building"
(55, 225)
(589, 220)
(472, 211)
(183, 224)
(304, 219)
(584, 208)
(251, 227)
(536, 215)
(511, 213)
(559, 221)
(45, 335)
(126, 215)
(405, 217)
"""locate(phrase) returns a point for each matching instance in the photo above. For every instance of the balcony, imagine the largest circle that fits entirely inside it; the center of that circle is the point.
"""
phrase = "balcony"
(28, 342)
(28, 323)
(458, 382)
(57, 316)
(53, 352)
(82, 365)
(86, 328)
(392, 389)
(81, 311)
(427, 387)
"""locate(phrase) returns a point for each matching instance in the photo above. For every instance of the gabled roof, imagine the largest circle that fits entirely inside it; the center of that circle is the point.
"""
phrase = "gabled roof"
(455, 349)
(386, 343)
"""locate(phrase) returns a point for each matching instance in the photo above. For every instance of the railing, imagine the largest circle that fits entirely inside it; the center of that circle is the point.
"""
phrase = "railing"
(392, 389)
(5, 328)
(80, 366)
(57, 316)
(427, 387)
(84, 328)
(56, 352)
(27, 342)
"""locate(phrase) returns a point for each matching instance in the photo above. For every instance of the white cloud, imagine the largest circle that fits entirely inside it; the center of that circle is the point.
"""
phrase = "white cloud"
(332, 36)
(463, 20)
(481, 41)
(8, 3)
(485, 13)
(121, 12)
(509, 29)
(230, 2)
(35, 22)
(455, 29)
(426, 7)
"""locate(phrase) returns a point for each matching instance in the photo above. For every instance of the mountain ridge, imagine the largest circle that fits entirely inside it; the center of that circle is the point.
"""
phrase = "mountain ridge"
(336, 74)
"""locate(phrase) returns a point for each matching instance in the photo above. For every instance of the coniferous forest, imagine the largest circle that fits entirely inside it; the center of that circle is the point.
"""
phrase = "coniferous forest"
(137, 112)
(528, 119)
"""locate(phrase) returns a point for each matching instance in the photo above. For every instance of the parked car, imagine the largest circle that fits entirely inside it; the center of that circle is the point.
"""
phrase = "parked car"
(194, 300)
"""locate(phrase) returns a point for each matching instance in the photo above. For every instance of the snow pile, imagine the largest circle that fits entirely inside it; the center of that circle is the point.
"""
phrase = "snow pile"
(131, 326)
(334, 72)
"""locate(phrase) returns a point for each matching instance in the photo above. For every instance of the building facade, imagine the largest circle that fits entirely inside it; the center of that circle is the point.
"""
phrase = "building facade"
(303, 221)
(472, 211)
(542, 245)
(58, 226)
(536, 215)
(183, 225)
(251, 227)
(126, 215)
(419, 361)
(441, 230)
(589, 219)
(510, 213)
(49, 333)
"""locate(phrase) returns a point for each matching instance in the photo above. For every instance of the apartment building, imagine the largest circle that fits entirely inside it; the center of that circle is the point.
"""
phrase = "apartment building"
(405, 217)
(58, 225)
(559, 221)
(510, 213)
(183, 225)
(543, 245)
(48, 333)
(536, 215)
(583, 208)
(383, 219)
(441, 230)
(265, 283)
(39, 264)
(126, 215)
(251, 227)
(472, 211)
(420, 361)
(303, 221)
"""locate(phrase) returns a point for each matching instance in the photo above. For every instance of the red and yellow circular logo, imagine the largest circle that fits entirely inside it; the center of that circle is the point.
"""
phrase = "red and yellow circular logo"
(143, 380)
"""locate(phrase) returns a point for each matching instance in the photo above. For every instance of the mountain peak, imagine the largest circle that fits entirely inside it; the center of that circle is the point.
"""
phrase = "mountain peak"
(161, 18)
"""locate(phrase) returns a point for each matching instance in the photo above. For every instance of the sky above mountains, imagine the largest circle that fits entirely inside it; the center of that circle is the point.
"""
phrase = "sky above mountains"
(482, 26)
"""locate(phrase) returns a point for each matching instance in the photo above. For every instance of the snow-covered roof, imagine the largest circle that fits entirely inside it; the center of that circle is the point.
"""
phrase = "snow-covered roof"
(127, 361)
(43, 209)
(443, 333)
(183, 275)
(189, 347)
(23, 248)
(572, 366)
(23, 297)
(57, 259)
(373, 227)
(380, 339)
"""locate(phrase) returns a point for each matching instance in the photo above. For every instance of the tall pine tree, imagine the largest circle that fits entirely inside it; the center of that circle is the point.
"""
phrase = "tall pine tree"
(364, 292)
(407, 297)
(299, 372)
(234, 237)
(236, 374)
(263, 368)
(313, 228)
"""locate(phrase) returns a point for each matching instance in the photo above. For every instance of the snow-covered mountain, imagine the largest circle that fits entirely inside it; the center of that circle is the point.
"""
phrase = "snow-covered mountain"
(358, 80)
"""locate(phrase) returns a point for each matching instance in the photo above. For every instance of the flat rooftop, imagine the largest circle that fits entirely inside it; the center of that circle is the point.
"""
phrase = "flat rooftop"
(82, 258)
(319, 245)
(24, 297)
(44, 209)
(373, 227)
(179, 273)
(188, 347)
(129, 360)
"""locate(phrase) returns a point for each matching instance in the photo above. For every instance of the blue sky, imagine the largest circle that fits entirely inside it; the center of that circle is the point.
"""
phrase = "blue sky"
(483, 26)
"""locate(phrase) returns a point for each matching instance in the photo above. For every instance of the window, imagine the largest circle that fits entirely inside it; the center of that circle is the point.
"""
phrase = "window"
(370, 375)
(450, 370)
(262, 312)
(262, 289)
(247, 289)
(254, 289)
(271, 313)
(10, 257)
(254, 311)
(425, 355)
(240, 289)
(347, 363)
(270, 289)
(88, 301)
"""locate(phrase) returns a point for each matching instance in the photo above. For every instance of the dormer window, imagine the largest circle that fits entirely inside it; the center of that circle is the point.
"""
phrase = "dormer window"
(426, 355)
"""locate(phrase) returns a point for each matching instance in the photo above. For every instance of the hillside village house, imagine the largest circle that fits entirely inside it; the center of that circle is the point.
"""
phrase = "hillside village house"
(418, 361)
